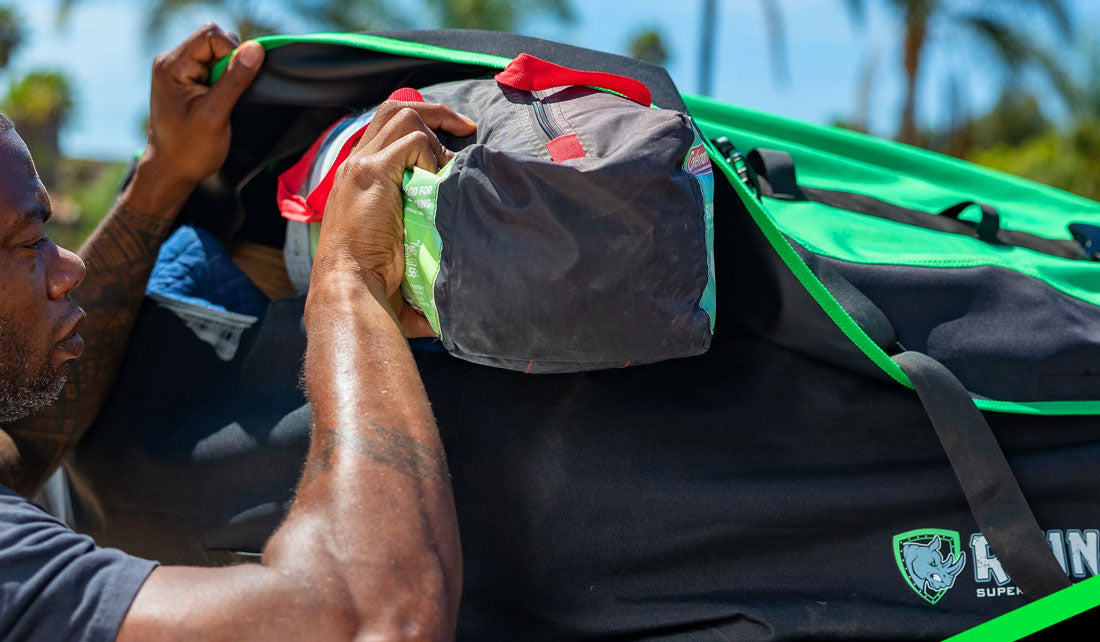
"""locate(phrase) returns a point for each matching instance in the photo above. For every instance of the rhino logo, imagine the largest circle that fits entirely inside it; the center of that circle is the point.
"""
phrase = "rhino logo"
(920, 557)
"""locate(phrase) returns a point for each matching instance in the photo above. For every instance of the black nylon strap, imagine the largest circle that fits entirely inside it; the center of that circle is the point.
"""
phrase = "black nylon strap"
(866, 314)
(989, 224)
(777, 179)
(775, 172)
(991, 490)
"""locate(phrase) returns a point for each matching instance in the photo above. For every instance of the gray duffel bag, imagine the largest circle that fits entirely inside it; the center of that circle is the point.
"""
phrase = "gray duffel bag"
(573, 231)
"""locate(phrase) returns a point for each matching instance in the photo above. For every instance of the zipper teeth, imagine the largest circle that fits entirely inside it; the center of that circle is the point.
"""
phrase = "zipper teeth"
(544, 119)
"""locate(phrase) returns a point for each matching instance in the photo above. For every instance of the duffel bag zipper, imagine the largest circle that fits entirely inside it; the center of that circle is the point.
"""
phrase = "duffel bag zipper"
(545, 121)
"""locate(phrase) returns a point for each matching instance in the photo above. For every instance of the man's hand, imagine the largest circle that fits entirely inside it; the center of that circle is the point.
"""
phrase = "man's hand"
(363, 229)
(188, 120)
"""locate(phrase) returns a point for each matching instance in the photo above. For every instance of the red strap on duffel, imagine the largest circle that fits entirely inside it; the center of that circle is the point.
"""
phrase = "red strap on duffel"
(311, 208)
(529, 73)
(291, 204)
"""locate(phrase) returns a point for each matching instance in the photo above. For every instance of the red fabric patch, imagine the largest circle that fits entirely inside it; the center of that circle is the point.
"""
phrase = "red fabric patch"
(311, 208)
(565, 147)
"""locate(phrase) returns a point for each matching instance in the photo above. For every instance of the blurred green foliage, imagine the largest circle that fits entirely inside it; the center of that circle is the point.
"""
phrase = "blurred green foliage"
(39, 97)
(1069, 160)
(84, 193)
(648, 45)
(1000, 32)
(40, 104)
(11, 35)
(495, 15)
(1016, 138)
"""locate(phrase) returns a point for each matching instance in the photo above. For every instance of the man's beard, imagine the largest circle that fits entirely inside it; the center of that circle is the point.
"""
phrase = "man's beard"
(24, 393)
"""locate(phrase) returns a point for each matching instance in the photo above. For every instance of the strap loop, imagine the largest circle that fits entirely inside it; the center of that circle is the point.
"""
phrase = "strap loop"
(988, 225)
(310, 208)
(774, 170)
(292, 205)
(529, 73)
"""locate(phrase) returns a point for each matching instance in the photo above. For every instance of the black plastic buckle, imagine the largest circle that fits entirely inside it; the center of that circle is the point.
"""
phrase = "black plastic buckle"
(734, 157)
(1089, 237)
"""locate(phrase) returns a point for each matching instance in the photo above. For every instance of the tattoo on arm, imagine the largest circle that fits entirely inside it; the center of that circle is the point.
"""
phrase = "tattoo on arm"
(388, 446)
(119, 255)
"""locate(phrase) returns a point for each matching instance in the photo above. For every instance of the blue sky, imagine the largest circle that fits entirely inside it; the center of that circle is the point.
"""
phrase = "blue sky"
(103, 49)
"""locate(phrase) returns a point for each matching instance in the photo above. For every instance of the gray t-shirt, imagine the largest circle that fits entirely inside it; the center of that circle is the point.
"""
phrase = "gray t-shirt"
(57, 585)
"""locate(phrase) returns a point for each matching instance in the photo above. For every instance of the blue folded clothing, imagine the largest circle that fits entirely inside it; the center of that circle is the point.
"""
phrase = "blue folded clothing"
(194, 267)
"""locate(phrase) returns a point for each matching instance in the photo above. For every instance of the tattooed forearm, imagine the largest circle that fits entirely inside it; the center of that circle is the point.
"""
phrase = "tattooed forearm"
(119, 256)
(388, 446)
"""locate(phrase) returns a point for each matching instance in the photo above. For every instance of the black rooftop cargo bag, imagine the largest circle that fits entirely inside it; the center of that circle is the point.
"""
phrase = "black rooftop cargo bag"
(817, 473)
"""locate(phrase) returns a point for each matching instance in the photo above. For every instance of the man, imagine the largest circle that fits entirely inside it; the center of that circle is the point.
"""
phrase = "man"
(370, 546)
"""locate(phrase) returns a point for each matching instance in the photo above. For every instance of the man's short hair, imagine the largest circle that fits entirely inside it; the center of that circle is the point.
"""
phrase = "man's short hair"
(5, 124)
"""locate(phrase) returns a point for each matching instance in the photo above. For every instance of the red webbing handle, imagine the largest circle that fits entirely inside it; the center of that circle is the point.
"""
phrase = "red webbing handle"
(529, 73)
(311, 208)
(291, 204)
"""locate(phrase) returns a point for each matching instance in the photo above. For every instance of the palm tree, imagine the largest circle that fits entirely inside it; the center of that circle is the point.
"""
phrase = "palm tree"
(648, 45)
(40, 104)
(495, 15)
(994, 29)
(776, 36)
(351, 15)
(11, 35)
(707, 26)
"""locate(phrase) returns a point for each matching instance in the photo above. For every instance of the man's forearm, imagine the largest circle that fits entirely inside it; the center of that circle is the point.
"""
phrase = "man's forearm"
(370, 546)
(119, 256)
(375, 474)
(369, 549)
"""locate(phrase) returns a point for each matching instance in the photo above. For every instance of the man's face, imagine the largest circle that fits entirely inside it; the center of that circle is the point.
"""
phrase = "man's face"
(38, 317)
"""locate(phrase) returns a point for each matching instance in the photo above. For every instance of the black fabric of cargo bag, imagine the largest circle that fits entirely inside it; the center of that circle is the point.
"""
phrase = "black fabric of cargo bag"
(782, 485)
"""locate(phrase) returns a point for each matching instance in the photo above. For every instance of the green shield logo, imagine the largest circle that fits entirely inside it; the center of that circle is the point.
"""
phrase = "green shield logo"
(929, 560)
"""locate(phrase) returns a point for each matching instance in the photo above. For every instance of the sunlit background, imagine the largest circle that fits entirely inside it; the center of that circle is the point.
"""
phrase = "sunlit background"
(1013, 84)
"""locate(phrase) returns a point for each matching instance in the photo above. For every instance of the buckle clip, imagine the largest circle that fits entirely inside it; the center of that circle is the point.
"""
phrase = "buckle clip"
(1088, 236)
(737, 159)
